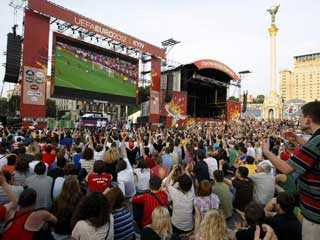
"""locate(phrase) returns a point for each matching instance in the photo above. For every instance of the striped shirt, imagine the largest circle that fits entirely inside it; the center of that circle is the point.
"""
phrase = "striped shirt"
(86, 164)
(123, 224)
(306, 161)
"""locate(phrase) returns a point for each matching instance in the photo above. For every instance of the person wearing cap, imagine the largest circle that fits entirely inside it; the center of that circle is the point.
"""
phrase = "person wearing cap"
(264, 183)
(306, 162)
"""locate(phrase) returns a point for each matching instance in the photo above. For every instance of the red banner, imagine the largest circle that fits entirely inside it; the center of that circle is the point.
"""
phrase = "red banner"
(53, 10)
(233, 110)
(35, 56)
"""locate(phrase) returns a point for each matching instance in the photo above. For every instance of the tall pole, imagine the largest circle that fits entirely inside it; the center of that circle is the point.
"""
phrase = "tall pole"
(273, 30)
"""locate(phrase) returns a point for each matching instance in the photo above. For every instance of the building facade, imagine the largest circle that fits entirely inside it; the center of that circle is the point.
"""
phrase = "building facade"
(304, 81)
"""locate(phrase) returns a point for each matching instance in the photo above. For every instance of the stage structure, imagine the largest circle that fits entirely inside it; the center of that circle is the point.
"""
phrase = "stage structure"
(68, 53)
(197, 92)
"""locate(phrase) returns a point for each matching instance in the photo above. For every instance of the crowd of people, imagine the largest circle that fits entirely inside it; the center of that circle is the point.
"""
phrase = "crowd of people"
(245, 179)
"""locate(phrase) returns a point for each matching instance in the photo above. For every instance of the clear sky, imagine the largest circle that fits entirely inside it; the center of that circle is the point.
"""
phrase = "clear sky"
(232, 31)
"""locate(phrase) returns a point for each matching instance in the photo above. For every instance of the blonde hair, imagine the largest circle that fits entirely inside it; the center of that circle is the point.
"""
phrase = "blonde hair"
(213, 226)
(161, 223)
(111, 155)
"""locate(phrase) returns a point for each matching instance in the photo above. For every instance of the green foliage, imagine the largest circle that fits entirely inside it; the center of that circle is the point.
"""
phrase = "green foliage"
(233, 98)
(259, 99)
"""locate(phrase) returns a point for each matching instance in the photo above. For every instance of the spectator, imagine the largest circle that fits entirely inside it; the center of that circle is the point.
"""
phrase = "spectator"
(11, 184)
(87, 159)
(213, 226)
(64, 206)
(160, 228)
(285, 224)
(99, 180)
(22, 172)
(26, 221)
(125, 176)
(254, 216)
(150, 201)
(48, 157)
(182, 203)
(167, 159)
(92, 219)
(42, 185)
(204, 201)
(200, 170)
(77, 157)
(250, 165)
(243, 186)
(264, 183)
(211, 162)
(110, 158)
(223, 192)
(123, 220)
(3, 155)
(10, 167)
(142, 176)
(159, 170)
(58, 172)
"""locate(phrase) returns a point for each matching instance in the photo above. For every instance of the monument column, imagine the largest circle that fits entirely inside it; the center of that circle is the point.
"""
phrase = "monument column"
(272, 107)
(273, 72)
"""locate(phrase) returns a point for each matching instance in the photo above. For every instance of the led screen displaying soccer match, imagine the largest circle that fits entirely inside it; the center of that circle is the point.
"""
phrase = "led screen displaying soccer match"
(85, 71)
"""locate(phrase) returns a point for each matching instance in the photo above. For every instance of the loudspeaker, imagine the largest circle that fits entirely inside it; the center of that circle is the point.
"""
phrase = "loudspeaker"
(169, 87)
(13, 58)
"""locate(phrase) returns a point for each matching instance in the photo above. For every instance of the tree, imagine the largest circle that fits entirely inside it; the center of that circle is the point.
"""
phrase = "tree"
(259, 99)
(233, 98)
(51, 108)
(13, 105)
(3, 106)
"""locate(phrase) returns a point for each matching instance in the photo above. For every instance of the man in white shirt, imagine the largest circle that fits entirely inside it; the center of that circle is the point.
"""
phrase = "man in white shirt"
(211, 162)
(125, 176)
(250, 150)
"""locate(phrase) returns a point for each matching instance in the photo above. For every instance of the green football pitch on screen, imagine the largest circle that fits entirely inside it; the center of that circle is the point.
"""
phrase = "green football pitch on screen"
(71, 71)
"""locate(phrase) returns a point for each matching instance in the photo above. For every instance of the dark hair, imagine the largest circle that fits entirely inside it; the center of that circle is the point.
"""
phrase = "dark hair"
(244, 149)
(146, 151)
(22, 150)
(99, 167)
(70, 169)
(121, 165)
(27, 198)
(185, 183)
(243, 171)
(48, 149)
(205, 188)
(61, 161)
(200, 154)
(38, 156)
(12, 159)
(155, 183)
(40, 168)
(142, 164)
(254, 213)
(312, 109)
(93, 208)
(250, 159)
(78, 150)
(7, 175)
(22, 165)
(87, 154)
(116, 198)
(286, 201)
(218, 175)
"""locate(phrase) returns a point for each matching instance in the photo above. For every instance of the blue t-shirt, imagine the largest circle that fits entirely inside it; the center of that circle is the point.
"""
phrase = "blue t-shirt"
(76, 160)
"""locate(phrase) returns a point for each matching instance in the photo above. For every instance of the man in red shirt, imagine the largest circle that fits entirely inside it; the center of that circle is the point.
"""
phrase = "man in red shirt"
(151, 200)
(98, 181)
(48, 157)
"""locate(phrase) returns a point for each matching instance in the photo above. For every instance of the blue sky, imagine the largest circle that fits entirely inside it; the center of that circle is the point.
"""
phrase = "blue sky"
(232, 31)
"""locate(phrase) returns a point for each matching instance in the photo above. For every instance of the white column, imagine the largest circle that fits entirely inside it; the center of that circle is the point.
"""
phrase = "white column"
(273, 64)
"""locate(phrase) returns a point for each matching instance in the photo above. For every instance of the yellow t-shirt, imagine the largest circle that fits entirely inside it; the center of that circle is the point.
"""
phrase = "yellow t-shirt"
(251, 167)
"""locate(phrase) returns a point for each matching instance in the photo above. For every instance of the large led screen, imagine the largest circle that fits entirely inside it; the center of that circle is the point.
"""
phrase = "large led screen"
(85, 71)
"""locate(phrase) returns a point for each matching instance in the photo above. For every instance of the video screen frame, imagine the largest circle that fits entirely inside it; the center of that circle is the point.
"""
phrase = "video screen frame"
(77, 94)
